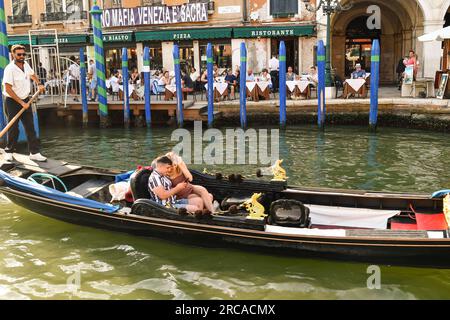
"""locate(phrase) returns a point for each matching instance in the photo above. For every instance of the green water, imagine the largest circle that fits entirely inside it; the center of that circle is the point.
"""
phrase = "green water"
(38, 255)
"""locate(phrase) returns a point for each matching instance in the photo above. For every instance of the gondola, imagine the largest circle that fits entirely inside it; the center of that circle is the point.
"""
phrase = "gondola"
(258, 215)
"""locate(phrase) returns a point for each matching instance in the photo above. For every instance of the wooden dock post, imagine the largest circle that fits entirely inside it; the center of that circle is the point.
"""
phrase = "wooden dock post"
(282, 83)
(374, 85)
(125, 81)
(147, 85)
(4, 58)
(243, 86)
(96, 13)
(321, 105)
(83, 88)
(209, 57)
(176, 60)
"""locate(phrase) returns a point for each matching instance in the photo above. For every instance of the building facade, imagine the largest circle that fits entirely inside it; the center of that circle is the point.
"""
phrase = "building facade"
(261, 24)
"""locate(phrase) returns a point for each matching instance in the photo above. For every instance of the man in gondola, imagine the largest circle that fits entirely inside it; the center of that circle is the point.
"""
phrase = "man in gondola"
(162, 192)
(17, 89)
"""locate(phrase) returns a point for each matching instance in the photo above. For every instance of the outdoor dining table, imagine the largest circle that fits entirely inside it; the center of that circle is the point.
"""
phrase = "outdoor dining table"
(355, 86)
(130, 91)
(255, 89)
(170, 92)
(220, 90)
(299, 88)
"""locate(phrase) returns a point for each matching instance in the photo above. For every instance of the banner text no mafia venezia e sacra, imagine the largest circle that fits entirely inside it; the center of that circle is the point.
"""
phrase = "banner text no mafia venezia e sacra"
(150, 15)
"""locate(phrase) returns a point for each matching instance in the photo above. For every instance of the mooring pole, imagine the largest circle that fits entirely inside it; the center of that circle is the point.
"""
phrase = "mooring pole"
(4, 58)
(243, 86)
(374, 85)
(282, 83)
(147, 87)
(96, 13)
(126, 89)
(83, 87)
(321, 106)
(176, 60)
(209, 56)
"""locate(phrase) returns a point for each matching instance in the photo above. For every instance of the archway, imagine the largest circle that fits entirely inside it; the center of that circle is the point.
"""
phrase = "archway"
(401, 24)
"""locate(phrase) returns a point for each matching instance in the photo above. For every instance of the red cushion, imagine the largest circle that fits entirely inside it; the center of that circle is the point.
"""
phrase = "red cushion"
(397, 225)
(431, 221)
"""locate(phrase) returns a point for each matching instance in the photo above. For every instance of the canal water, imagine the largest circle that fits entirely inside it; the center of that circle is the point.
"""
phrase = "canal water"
(39, 256)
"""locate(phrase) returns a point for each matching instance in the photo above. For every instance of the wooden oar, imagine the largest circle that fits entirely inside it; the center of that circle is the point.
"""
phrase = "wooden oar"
(13, 120)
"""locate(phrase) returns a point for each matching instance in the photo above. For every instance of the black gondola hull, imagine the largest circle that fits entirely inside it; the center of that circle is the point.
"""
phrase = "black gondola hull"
(413, 252)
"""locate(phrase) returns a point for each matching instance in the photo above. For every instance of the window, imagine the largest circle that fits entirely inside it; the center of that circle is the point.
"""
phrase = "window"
(69, 6)
(74, 6)
(283, 8)
(52, 6)
(19, 7)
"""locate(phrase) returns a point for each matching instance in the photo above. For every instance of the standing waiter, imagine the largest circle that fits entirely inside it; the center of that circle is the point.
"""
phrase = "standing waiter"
(274, 66)
(16, 89)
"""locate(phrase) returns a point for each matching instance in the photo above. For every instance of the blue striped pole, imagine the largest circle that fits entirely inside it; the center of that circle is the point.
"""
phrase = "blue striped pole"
(243, 86)
(4, 57)
(96, 13)
(282, 83)
(147, 86)
(176, 60)
(321, 107)
(126, 89)
(374, 83)
(209, 55)
(83, 87)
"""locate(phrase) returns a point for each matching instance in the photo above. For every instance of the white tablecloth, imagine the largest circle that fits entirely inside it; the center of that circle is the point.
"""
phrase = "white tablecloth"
(356, 84)
(263, 85)
(291, 85)
(301, 84)
(251, 85)
(130, 89)
(220, 87)
(171, 88)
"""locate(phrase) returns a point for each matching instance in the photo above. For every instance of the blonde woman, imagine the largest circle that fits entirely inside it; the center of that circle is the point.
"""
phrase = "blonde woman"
(180, 173)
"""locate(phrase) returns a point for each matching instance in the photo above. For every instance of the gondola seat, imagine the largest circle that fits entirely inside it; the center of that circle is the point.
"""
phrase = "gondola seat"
(139, 184)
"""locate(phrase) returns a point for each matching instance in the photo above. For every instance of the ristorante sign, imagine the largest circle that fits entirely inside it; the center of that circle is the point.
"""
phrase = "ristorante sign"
(154, 15)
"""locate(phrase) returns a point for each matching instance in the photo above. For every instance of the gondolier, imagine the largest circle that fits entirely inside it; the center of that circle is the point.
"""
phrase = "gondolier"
(16, 89)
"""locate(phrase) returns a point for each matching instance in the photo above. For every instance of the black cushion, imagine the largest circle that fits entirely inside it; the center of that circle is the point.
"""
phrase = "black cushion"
(139, 184)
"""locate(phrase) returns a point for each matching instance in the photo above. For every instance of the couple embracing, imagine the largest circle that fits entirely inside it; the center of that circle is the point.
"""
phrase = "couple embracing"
(170, 185)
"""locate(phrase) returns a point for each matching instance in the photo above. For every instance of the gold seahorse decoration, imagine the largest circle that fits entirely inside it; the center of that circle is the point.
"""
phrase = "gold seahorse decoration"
(279, 174)
(254, 208)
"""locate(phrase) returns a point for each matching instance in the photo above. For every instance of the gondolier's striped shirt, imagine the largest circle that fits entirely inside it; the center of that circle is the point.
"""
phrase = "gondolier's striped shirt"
(155, 180)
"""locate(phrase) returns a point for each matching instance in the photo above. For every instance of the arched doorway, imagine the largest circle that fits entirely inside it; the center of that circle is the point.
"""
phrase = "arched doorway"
(358, 44)
(401, 24)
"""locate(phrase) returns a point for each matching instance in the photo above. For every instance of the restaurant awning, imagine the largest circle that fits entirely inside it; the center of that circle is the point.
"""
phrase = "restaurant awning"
(273, 31)
(115, 37)
(25, 40)
(438, 35)
(65, 39)
(184, 34)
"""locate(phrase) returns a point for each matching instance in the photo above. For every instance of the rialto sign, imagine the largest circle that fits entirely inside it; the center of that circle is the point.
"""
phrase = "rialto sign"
(154, 15)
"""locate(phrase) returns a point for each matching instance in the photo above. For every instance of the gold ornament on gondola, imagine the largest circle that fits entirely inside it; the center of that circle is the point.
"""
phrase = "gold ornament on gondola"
(279, 174)
(254, 208)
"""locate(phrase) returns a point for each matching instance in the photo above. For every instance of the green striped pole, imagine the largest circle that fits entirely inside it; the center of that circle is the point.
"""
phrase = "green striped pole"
(96, 13)
(4, 56)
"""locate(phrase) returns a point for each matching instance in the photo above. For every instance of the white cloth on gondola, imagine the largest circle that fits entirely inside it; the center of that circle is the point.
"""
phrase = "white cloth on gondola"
(350, 217)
